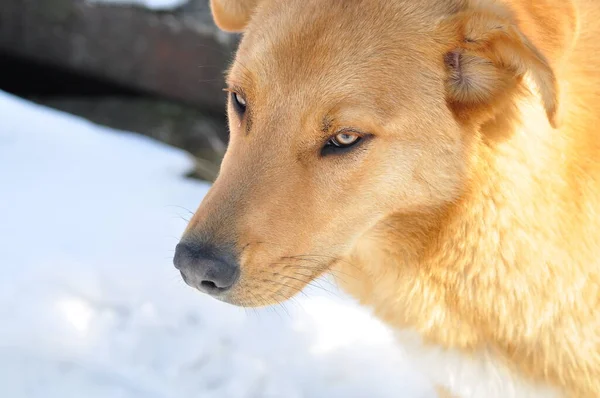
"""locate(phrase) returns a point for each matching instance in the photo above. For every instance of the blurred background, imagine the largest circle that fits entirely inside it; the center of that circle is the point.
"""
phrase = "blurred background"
(154, 67)
(112, 127)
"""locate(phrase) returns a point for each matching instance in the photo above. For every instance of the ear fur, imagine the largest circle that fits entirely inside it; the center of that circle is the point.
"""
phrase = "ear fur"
(489, 62)
(232, 15)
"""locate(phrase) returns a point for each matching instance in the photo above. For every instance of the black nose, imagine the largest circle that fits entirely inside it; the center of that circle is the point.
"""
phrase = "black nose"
(206, 267)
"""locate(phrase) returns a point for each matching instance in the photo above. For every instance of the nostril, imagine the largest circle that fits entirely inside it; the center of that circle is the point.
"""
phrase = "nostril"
(210, 286)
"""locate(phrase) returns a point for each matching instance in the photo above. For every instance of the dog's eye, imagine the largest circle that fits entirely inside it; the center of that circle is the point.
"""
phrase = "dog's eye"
(344, 140)
(341, 142)
(239, 103)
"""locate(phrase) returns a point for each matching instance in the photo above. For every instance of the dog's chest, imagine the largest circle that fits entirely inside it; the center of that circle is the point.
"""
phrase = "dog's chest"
(469, 376)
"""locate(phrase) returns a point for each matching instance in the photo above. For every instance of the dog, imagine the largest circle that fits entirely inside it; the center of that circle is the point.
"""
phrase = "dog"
(439, 158)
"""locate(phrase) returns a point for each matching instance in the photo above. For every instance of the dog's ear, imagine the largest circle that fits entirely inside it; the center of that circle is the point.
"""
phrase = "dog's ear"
(232, 15)
(488, 63)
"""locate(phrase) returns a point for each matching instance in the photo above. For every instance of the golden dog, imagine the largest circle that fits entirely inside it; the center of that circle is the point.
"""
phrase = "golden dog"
(441, 158)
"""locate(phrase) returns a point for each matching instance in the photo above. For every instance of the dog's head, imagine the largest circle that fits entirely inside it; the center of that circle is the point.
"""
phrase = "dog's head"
(343, 113)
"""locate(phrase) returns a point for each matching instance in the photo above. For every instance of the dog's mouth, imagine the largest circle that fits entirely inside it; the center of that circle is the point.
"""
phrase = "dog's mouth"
(266, 286)
(281, 281)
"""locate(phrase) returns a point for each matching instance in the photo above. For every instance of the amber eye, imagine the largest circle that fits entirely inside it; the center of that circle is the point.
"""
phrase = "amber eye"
(239, 103)
(344, 140)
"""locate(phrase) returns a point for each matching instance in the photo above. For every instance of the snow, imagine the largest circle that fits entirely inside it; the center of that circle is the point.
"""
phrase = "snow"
(159, 5)
(90, 304)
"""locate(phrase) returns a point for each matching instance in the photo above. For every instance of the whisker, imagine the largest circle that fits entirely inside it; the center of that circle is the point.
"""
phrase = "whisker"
(282, 305)
(304, 282)
(181, 207)
(335, 272)
(282, 284)
(316, 267)
(328, 257)
(307, 283)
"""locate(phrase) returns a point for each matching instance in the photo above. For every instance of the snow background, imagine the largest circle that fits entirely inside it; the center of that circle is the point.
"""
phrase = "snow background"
(91, 306)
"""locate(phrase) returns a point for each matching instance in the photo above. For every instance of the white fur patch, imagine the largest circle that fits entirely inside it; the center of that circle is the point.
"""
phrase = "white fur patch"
(469, 376)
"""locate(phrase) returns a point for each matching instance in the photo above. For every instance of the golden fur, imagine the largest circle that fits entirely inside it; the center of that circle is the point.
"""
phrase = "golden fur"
(471, 214)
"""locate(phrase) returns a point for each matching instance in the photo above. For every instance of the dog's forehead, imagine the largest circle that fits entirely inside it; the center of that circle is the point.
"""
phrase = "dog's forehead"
(332, 48)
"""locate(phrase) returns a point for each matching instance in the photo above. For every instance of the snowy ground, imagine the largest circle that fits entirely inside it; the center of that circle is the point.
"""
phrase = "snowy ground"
(151, 4)
(90, 305)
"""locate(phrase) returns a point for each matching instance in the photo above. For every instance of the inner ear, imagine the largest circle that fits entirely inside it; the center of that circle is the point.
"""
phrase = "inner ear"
(487, 67)
(232, 15)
